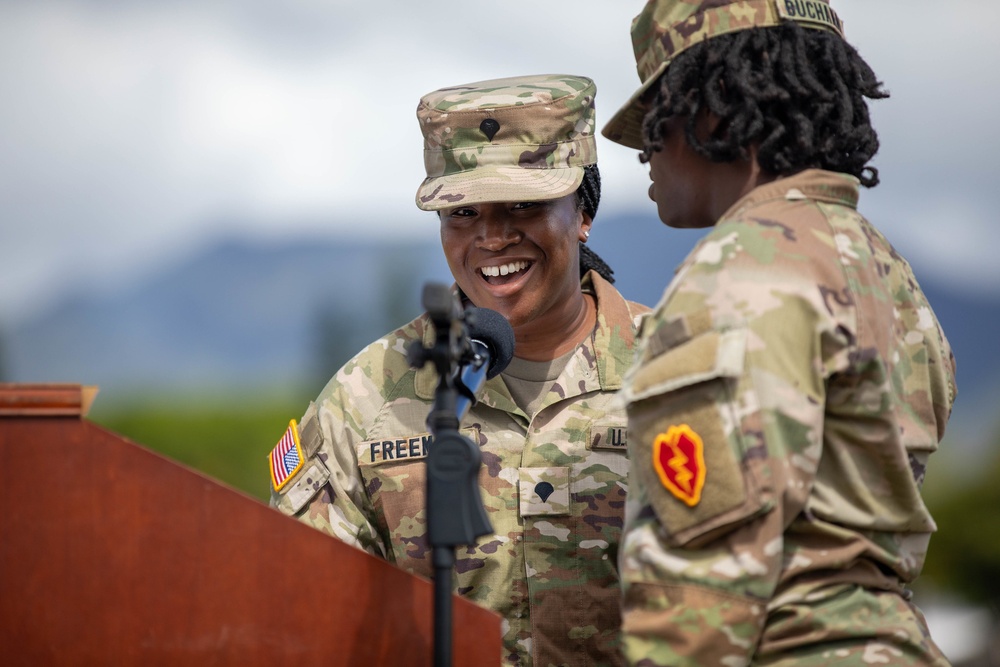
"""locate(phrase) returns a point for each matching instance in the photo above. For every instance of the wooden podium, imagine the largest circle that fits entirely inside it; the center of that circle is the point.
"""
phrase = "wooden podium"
(113, 555)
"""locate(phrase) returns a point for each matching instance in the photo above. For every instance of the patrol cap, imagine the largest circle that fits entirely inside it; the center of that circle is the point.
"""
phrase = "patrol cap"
(522, 138)
(665, 28)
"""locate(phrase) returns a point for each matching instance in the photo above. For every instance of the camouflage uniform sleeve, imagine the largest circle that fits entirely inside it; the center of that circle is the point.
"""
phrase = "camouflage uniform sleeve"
(328, 493)
(725, 429)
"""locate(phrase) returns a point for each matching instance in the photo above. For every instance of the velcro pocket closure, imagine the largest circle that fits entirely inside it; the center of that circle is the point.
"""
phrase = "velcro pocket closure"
(710, 355)
(308, 483)
(309, 431)
(685, 437)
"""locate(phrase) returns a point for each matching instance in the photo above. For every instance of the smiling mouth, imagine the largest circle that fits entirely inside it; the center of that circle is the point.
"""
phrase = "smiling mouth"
(505, 273)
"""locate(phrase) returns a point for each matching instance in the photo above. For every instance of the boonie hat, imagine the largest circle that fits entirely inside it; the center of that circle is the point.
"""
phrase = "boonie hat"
(516, 139)
(665, 28)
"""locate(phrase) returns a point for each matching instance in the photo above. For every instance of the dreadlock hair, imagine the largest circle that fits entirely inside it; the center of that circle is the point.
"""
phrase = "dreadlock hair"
(798, 93)
(589, 196)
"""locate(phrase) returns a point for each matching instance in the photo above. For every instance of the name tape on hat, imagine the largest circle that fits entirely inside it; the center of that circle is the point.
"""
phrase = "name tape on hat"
(812, 13)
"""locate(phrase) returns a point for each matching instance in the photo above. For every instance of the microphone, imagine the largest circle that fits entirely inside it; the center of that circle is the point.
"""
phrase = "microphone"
(491, 339)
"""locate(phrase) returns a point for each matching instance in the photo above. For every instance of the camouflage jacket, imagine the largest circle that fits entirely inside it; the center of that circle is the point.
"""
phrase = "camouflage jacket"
(789, 389)
(550, 569)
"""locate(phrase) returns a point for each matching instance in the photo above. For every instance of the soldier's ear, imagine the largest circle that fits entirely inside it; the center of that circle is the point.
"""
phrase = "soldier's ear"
(586, 222)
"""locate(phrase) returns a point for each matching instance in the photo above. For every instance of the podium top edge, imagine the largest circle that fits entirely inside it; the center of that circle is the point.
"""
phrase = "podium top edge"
(45, 399)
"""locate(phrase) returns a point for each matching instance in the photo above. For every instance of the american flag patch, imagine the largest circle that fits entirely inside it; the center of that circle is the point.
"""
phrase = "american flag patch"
(286, 457)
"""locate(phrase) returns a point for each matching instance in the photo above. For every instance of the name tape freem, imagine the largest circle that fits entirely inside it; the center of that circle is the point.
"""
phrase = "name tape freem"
(397, 450)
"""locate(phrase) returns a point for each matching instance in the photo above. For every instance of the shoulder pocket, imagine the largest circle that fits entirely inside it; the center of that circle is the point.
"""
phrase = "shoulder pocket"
(307, 480)
(686, 409)
(302, 489)
(710, 355)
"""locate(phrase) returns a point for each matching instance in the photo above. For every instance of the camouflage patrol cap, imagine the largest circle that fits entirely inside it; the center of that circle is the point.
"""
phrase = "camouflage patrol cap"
(665, 28)
(517, 139)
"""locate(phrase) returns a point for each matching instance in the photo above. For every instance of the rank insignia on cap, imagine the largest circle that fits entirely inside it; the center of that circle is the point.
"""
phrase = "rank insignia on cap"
(679, 461)
(286, 457)
(489, 127)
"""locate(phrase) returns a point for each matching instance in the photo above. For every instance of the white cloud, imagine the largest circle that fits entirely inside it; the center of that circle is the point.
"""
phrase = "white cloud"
(133, 131)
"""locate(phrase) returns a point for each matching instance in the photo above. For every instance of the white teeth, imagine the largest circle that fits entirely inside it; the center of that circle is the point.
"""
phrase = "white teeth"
(504, 270)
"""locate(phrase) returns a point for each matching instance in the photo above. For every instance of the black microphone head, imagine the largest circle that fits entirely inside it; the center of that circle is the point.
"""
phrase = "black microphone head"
(494, 331)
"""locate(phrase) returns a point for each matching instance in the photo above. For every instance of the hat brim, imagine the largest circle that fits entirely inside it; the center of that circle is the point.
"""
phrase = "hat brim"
(625, 127)
(497, 184)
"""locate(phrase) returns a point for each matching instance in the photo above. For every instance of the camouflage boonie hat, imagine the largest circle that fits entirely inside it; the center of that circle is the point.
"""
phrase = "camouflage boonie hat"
(516, 139)
(665, 28)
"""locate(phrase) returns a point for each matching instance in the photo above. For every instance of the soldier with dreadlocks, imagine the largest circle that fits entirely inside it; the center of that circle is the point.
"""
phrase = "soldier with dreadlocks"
(512, 175)
(793, 381)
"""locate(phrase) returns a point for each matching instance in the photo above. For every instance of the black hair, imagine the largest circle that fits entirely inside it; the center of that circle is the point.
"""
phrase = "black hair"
(798, 93)
(589, 192)
(589, 197)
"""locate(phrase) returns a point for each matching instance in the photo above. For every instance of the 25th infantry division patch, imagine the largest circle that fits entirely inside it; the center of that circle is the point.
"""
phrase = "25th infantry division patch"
(679, 461)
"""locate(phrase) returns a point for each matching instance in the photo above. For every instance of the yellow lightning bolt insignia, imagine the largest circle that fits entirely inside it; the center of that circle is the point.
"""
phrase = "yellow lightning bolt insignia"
(679, 462)
(682, 476)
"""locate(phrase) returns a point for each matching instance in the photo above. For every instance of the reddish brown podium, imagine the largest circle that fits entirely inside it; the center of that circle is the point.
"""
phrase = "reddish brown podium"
(113, 555)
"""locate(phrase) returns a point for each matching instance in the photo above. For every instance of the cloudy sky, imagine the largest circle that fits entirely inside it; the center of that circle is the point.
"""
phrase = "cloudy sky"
(132, 133)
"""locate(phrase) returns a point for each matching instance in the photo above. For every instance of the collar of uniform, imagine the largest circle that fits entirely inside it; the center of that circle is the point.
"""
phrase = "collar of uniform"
(614, 336)
(814, 184)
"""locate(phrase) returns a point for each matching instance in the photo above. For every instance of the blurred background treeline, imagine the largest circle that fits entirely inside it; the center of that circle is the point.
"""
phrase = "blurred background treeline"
(207, 359)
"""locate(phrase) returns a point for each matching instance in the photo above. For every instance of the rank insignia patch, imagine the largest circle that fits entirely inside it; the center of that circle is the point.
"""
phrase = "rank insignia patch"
(679, 461)
(286, 457)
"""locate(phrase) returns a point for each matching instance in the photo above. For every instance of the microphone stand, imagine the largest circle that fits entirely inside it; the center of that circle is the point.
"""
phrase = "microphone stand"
(455, 512)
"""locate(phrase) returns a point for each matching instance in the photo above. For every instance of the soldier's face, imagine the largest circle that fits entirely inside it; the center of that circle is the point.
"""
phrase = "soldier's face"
(518, 258)
(690, 190)
(680, 181)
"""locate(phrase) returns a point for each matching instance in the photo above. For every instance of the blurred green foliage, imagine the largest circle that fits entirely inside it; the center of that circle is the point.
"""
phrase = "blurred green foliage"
(225, 439)
(964, 555)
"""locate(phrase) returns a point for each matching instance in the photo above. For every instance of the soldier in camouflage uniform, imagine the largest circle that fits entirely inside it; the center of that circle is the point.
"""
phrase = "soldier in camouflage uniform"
(793, 380)
(511, 171)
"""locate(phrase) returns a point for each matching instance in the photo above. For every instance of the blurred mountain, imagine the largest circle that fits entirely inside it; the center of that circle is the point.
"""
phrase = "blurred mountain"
(242, 315)
(237, 316)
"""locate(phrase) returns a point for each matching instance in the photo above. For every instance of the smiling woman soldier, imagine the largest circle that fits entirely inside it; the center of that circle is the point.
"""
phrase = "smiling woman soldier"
(512, 173)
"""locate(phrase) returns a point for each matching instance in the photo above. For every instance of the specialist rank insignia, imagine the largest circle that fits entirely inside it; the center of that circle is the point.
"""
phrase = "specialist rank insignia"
(679, 461)
(286, 457)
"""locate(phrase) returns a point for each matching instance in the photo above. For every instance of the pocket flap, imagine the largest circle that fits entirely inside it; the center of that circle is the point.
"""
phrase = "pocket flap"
(544, 491)
(308, 483)
(711, 355)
